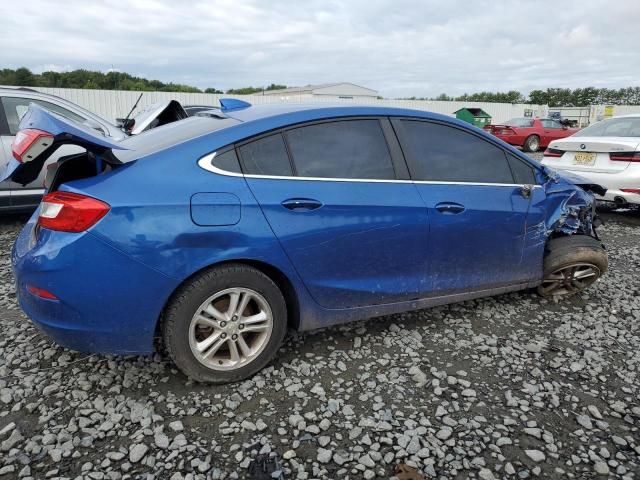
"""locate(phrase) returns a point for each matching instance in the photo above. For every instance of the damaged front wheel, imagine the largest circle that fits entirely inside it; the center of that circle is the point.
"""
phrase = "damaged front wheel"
(572, 264)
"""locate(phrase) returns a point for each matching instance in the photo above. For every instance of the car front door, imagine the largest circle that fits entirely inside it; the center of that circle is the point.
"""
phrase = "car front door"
(477, 211)
(552, 130)
(338, 197)
(14, 109)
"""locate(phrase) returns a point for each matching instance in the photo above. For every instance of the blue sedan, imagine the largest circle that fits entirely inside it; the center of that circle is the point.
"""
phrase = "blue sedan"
(220, 232)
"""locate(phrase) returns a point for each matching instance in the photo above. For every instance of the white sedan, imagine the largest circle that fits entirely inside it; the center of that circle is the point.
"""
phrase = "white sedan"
(606, 153)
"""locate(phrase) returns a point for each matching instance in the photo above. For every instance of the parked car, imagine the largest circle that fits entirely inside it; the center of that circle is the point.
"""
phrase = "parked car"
(530, 133)
(607, 153)
(220, 232)
(14, 103)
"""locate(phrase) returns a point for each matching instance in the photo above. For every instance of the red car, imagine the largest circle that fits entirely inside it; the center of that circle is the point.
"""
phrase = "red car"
(530, 133)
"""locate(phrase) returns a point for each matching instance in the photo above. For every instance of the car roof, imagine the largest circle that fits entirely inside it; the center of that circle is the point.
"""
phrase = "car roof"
(327, 110)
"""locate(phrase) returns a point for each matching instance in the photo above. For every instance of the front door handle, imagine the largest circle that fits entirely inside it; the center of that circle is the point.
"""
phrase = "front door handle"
(450, 208)
(301, 204)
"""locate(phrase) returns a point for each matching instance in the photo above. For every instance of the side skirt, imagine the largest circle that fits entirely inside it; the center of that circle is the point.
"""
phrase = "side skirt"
(329, 317)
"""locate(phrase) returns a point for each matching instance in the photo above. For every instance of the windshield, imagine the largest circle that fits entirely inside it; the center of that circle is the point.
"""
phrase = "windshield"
(520, 122)
(613, 127)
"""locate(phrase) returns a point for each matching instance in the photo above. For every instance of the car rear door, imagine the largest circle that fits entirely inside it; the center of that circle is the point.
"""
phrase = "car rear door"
(338, 197)
(477, 211)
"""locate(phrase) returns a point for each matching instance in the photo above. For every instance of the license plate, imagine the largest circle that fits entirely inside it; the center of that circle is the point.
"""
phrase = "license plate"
(584, 158)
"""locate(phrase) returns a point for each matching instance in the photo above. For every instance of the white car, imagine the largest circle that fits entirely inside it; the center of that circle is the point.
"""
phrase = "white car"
(606, 153)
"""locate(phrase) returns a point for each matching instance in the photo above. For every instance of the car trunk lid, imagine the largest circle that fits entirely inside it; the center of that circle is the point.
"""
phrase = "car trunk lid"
(41, 133)
(590, 154)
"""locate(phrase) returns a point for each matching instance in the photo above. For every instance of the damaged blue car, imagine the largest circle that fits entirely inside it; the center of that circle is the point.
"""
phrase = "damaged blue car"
(219, 232)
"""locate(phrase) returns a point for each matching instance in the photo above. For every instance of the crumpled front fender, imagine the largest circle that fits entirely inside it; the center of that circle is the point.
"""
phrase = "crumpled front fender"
(571, 209)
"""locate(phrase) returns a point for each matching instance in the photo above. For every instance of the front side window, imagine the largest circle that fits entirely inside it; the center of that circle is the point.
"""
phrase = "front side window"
(266, 156)
(342, 149)
(16, 107)
(550, 124)
(441, 153)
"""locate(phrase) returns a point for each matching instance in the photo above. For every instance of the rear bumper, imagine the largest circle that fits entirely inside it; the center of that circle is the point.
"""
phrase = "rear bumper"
(618, 196)
(613, 182)
(106, 302)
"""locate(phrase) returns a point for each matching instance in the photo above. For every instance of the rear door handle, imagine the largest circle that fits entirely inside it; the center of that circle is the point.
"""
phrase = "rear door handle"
(301, 204)
(450, 208)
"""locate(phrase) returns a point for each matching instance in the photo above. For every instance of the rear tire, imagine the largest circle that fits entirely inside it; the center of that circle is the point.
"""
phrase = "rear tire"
(225, 324)
(572, 264)
(531, 144)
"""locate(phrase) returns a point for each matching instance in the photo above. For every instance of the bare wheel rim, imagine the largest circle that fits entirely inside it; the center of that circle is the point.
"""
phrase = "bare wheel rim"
(230, 329)
(570, 279)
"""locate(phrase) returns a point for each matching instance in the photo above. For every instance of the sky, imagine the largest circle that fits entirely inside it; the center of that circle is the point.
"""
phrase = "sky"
(401, 48)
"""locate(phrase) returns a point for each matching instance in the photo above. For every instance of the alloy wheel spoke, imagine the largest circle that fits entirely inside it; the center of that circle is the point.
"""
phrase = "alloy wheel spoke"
(214, 312)
(244, 348)
(256, 327)
(242, 305)
(216, 346)
(257, 318)
(585, 274)
(202, 320)
(234, 298)
(233, 352)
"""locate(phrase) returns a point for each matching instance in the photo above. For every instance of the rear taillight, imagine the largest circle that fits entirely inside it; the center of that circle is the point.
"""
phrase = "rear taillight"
(70, 212)
(631, 190)
(553, 152)
(625, 156)
(30, 143)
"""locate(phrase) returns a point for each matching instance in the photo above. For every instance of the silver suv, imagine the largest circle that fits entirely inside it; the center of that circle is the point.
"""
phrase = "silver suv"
(14, 103)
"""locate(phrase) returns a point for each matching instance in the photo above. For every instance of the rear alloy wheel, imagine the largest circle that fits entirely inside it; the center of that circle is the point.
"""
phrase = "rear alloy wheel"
(230, 329)
(571, 265)
(531, 144)
(225, 324)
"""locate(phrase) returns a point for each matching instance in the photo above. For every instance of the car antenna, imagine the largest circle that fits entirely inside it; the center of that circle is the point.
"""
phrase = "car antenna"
(125, 122)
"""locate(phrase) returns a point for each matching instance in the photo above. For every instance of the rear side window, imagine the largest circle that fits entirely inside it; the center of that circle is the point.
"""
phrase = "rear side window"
(341, 149)
(266, 156)
(445, 154)
(522, 173)
(16, 107)
(227, 161)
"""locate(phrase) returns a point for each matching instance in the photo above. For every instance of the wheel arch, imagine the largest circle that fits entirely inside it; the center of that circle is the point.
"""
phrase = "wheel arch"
(274, 273)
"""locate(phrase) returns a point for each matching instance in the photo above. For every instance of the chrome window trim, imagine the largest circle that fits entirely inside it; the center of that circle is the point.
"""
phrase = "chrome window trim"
(206, 164)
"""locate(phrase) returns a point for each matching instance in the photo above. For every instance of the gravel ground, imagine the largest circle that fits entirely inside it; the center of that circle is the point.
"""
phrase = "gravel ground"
(513, 386)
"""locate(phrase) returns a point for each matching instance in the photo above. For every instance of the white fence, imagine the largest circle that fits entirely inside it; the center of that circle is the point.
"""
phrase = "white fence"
(113, 104)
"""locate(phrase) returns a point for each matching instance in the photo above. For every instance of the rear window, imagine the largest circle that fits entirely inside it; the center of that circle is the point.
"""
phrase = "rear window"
(520, 122)
(342, 149)
(445, 154)
(16, 107)
(266, 156)
(614, 127)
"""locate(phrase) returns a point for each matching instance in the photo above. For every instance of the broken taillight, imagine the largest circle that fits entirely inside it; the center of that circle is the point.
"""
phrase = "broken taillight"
(29, 143)
(70, 212)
